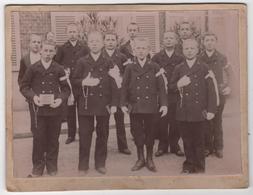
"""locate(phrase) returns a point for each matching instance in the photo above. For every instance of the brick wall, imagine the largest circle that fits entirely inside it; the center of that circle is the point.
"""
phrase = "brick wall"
(33, 22)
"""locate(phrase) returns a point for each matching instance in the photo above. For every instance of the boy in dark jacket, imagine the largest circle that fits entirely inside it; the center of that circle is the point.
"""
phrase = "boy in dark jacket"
(45, 84)
(141, 89)
(197, 103)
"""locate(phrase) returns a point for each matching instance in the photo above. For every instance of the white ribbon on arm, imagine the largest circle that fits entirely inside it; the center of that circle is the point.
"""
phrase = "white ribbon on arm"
(162, 72)
(115, 74)
(71, 96)
(212, 76)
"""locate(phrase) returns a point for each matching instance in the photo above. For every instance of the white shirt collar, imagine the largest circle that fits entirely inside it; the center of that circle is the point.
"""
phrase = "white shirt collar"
(190, 63)
(110, 52)
(142, 62)
(169, 53)
(209, 53)
(46, 64)
(132, 43)
(95, 56)
(34, 57)
(73, 43)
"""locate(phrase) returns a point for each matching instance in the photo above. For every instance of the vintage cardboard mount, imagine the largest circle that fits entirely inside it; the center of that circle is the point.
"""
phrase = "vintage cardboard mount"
(133, 182)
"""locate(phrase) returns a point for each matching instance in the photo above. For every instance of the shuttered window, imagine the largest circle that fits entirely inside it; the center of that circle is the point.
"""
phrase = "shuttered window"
(149, 27)
(15, 41)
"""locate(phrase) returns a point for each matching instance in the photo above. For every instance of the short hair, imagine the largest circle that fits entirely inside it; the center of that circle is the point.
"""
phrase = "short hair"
(171, 31)
(70, 25)
(135, 24)
(95, 32)
(142, 39)
(191, 40)
(209, 34)
(111, 33)
(48, 42)
(35, 35)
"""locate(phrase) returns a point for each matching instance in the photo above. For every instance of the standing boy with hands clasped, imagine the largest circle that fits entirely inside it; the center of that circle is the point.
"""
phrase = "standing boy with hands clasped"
(197, 103)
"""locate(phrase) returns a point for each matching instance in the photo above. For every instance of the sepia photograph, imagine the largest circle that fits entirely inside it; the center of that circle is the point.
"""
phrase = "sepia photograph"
(126, 96)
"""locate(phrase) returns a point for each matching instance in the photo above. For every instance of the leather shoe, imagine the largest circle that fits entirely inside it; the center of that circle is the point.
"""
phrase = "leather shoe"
(101, 170)
(33, 175)
(138, 165)
(159, 153)
(125, 151)
(178, 153)
(69, 140)
(151, 165)
(53, 173)
(219, 153)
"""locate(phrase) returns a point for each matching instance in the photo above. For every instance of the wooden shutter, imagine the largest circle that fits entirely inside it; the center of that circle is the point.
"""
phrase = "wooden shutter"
(59, 21)
(15, 41)
(149, 27)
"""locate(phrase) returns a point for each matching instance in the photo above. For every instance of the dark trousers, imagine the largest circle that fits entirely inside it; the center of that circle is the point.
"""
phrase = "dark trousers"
(32, 116)
(193, 135)
(168, 138)
(46, 144)
(71, 120)
(86, 127)
(143, 129)
(120, 129)
(214, 130)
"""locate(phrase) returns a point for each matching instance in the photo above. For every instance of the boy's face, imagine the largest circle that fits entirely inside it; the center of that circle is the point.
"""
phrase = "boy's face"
(110, 42)
(35, 43)
(50, 36)
(185, 31)
(169, 40)
(95, 43)
(209, 42)
(72, 33)
(190, 49)
(47, 52)
(141, 49)
(132, 31)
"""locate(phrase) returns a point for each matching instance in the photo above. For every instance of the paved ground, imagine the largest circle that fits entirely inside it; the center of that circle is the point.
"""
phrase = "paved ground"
(119, 164)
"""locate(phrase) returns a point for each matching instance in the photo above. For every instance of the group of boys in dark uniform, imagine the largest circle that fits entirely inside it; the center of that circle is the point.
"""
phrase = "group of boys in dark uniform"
(178, 93)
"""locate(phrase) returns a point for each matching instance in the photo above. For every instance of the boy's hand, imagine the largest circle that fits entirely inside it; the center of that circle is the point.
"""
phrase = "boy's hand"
(209, 116)
(89, 81)
(71, 100)
(163, 110)
(124, 109)
(226, 91)
(57, 102)
(113, 109)
(184, 81)
(36, 100)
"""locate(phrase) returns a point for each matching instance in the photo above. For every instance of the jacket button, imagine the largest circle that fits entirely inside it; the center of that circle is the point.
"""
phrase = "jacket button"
(43, 91)
(50, 91)
(147, 76)
(147, 87)
(100, 95)
(195, 76)
(138, 87)
(196, 84)
(100, 86)
(100, 69)
(138, 78)
(187, 94)
(91, 94)
(197, 93)
(43, 83)
(147, 97)
(100, 78)
(138, 98)
(196, 101)
(50, 83)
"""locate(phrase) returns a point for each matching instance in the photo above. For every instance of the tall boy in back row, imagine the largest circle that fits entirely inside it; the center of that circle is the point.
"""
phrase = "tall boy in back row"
(217, 62)
(196, 103)
(67, 56)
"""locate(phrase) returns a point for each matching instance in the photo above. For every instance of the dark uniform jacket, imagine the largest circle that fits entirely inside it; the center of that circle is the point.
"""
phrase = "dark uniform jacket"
(141, 89)
(199, 96)
(117, 59)
(168, 64)
(103, 95)
(25, 62)
(218, 64)
(38, 80)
